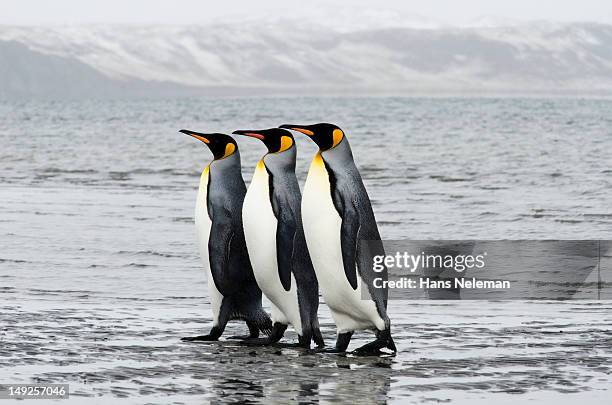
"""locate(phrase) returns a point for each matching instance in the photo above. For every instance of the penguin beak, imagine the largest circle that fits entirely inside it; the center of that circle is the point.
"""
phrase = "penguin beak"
(197, 135)
(251, 133)
(299, 128)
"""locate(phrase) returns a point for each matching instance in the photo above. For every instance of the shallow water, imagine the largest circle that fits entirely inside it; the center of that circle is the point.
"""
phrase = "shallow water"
(99, 274)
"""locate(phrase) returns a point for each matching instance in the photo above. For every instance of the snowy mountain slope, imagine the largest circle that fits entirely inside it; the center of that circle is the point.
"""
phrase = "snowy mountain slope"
(25, 73)
(313, 58)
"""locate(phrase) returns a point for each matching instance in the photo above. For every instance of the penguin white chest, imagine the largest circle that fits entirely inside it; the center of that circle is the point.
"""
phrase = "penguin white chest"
(260, 226)
(322, 228)
(203, 227)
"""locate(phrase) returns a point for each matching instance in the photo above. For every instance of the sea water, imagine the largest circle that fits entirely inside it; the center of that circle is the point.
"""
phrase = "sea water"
(100, 276)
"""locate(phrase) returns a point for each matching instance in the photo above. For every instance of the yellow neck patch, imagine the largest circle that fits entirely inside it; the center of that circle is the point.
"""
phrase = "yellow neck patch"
(204, 176)
(337, 135)
(318, 160)
(285, 143)
(230, 148)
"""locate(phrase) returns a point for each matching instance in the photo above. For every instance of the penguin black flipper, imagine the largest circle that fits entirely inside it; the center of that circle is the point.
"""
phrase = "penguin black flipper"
(348, 241)
(365, 253)
(285, 234)
(358, 225)
(219, 249)
(349, 228)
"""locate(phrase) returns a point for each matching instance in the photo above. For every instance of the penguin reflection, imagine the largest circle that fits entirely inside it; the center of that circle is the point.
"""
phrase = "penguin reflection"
(368, 385)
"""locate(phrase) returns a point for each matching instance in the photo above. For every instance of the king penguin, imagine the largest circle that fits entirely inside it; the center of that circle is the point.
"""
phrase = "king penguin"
(276, 243)
(234, 293)
(338, 217)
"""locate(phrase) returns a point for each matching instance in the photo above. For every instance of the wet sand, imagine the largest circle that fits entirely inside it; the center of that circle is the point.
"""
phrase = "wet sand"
(467, 352)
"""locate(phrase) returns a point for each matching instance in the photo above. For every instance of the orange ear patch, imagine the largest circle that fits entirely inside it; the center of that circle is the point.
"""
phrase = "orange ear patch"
(285, 143)
(337, 135)
(229, 149)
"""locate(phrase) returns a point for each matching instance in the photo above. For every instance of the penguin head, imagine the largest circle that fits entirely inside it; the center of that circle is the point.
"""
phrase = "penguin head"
(220, 145)
(276, 140)
(326, 136)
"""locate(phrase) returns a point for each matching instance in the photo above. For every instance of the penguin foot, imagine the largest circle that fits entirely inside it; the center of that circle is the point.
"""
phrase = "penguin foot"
(278, 330)
(318, 338)
(241, 337)
(213, 336)
(383, 341)
(361, 352)
(291, 345)
(329, 350)
(202, 338)
(342, 343)
(257, 342)
(367, 351)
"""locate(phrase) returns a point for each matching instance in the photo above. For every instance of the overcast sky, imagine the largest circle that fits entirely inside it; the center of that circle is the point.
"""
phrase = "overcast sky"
(454, 12)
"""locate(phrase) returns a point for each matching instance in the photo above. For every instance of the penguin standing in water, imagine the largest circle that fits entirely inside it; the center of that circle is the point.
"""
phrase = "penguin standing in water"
(276, 243)
(337, 217)
(234, 293)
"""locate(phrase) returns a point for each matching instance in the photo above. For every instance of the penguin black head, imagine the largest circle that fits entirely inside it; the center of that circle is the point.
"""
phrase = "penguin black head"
(220, 145)
(276, 140)
(326, 136)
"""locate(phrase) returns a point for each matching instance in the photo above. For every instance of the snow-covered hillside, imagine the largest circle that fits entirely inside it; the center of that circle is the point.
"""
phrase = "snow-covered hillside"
(277, 56)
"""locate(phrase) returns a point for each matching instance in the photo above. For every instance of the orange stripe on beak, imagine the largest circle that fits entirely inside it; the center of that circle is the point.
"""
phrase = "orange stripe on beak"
(195, 135)
(254, 135)
(201, 138)
(304, 131)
